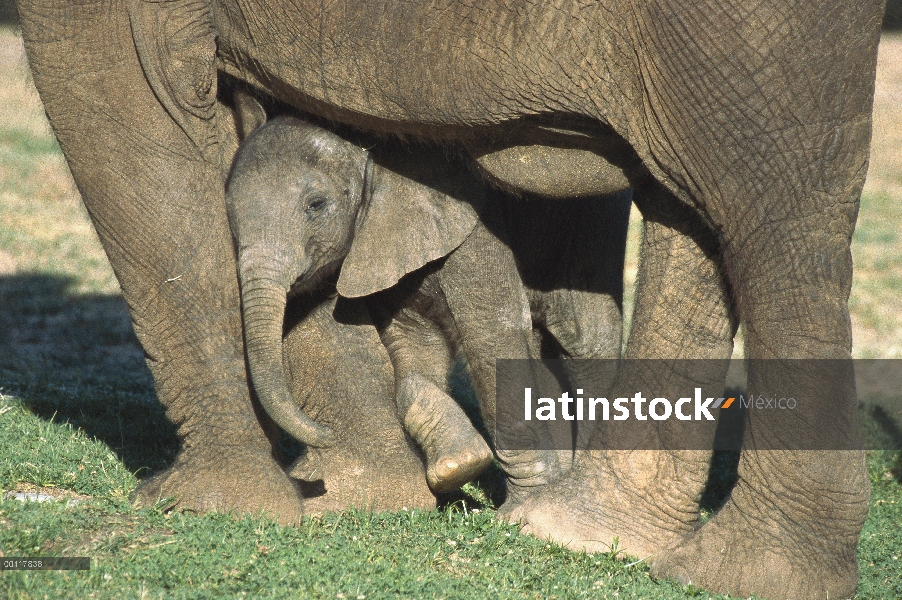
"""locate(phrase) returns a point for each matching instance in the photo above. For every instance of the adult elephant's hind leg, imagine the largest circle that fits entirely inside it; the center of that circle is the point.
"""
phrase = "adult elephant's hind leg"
(775, 147)
(793, 519)
(156, 199)
(640, 500)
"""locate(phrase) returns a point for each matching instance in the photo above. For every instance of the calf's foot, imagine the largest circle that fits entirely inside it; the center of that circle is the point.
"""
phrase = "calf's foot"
(455, 452)
(389, 478)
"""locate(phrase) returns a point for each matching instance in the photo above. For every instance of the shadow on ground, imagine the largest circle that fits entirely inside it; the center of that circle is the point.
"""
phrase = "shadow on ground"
(8, 14)
(75, 359)
(892, 19)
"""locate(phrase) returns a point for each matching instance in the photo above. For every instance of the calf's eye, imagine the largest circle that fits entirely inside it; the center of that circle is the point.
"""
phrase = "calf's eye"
(316, 204)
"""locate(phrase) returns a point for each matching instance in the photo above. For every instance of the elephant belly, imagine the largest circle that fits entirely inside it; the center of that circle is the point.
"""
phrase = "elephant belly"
(423, 68)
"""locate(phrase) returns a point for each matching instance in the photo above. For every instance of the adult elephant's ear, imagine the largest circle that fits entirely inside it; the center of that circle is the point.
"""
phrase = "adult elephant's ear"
(416, 210)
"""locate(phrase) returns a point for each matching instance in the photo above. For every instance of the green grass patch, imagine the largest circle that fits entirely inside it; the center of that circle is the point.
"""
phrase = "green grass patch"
(25, 146)
(459, 551)
(50, 454)
(880, 546)
(411, 554)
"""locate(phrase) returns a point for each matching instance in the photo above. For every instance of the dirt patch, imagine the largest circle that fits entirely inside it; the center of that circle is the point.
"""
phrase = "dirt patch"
(51, 492)
(20, 106)
(7, 263)
(885, 172)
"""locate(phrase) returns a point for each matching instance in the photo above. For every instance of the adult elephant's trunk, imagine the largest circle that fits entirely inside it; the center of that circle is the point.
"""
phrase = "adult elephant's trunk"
(263, 307)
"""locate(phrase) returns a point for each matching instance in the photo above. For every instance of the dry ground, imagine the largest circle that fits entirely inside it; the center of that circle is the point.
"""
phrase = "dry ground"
(39, 203)
(876, 302)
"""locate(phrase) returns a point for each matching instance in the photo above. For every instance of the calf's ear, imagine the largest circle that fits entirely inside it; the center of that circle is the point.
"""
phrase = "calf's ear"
(249, 113)
(406, 224)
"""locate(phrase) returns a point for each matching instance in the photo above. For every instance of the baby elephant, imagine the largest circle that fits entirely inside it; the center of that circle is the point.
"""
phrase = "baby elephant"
(405, 232)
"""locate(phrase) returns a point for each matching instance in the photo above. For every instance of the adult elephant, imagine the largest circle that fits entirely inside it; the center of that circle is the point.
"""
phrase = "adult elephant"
(755, 115)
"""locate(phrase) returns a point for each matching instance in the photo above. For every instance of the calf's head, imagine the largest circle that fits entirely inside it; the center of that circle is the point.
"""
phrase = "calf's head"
(302, 203)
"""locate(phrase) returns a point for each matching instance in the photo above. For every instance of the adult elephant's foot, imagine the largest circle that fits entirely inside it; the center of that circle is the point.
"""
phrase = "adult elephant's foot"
(778, 537)
(733, 554)
(634, 502)
(226, 479)
(528, 473)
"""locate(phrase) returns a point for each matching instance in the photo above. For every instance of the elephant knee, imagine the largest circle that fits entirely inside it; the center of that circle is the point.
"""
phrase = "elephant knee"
(591, 332)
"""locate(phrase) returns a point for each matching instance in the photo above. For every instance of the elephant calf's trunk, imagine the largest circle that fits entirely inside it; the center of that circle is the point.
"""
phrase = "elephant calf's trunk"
(263, 306)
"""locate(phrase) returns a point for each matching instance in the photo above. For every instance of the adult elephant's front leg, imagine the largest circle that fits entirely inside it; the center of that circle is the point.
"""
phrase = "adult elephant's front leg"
(641, 500)
(794, 517)
(155, 196)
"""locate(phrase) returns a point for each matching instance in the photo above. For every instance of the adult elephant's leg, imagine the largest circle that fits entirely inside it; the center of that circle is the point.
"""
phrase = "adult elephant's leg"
(647, 498)
(795, 515)
(775, 147)
(571, 258)
(155, 196)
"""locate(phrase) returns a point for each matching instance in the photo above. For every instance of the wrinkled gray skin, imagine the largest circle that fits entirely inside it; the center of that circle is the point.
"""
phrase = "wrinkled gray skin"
(301, 199)
(338, 369)
(743, 126)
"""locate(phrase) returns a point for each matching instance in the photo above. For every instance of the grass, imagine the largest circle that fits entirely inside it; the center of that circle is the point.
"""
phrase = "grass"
(876, 300)
(350, 555)
(79, 421)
